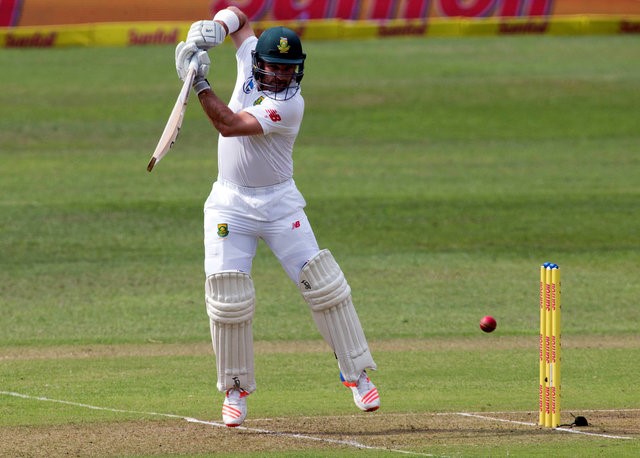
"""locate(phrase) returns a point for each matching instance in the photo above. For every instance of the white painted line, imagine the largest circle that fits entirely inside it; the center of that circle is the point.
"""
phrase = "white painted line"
(503, 420)
(609, 410)
(586, 433)
(87, 406)
(216, 424)
(307, 437)
(524, 423)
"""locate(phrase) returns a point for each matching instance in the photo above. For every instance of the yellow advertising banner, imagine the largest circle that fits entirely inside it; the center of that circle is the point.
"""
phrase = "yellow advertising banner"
(107, 34)
(158, 33)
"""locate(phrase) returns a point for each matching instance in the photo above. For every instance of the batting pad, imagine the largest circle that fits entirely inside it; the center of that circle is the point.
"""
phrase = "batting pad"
(325, 289)
(230, 301)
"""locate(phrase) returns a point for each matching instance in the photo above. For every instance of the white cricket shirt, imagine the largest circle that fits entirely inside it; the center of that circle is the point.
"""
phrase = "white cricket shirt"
(259, 160)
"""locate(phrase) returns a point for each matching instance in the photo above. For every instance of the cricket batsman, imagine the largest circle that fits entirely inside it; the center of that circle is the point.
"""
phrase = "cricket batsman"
(255, 197)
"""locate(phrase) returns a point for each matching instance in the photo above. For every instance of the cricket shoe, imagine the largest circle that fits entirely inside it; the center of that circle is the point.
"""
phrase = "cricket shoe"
(365, 393)
(234, 408)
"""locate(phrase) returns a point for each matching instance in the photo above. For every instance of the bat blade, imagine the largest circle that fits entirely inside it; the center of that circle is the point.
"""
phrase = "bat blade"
(174, 123)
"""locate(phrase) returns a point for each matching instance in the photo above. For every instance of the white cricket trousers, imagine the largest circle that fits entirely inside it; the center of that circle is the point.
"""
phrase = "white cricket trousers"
(237, 217)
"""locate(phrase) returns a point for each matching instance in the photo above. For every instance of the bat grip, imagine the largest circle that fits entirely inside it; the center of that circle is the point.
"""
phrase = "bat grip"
(193, 63)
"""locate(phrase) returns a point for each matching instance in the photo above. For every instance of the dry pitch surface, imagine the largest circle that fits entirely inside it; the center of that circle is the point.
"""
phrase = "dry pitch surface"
(404, 434)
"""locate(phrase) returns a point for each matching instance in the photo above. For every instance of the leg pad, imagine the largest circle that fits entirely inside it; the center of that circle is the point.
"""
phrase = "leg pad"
(230, 301)
(328, 294)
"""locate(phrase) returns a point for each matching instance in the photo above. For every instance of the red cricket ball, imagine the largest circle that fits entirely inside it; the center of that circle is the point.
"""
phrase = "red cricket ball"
(488, 323)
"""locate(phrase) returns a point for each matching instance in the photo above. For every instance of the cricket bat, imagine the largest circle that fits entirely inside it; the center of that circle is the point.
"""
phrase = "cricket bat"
(172, 128)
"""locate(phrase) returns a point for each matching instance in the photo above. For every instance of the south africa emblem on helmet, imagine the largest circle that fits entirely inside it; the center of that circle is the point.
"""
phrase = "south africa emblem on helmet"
(283, 47)
(223, 230)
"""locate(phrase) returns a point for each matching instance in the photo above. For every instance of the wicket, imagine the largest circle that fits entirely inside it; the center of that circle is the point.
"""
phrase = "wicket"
(549, 389)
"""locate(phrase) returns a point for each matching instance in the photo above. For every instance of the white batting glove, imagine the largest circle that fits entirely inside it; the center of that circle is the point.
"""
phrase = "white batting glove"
(202, 63)
(206, 34)
(184, 53)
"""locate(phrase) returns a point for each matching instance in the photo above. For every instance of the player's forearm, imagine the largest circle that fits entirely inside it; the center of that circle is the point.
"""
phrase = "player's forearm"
(228, 123)
(217, 111)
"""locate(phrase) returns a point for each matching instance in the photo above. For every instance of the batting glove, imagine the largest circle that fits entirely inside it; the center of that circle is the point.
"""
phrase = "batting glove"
(184, 53)
(206, 34)
(202, 63)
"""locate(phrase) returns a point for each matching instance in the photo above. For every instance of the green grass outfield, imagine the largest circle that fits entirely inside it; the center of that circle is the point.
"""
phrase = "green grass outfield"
(440, 172)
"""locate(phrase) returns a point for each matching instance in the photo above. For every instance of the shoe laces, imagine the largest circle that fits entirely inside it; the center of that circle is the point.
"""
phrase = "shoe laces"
(364, 384)
(235, 394)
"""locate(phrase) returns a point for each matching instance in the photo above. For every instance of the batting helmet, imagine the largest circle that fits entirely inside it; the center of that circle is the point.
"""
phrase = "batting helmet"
(278, 45)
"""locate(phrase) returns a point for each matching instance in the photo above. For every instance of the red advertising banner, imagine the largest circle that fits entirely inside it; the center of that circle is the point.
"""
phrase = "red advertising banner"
(56, 12)
(10, 12)
(59, 23)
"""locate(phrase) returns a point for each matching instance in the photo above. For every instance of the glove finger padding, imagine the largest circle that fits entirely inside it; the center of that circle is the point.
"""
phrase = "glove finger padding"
(181, 72)
(206, 34)
(202, 62)
(184, 53)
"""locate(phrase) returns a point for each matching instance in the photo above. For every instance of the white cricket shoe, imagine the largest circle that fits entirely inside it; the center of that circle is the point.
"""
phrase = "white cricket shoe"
(365, 393)
(234, 408)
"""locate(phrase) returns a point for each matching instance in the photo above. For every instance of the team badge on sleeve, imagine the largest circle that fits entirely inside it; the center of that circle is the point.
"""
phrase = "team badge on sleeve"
(223, 230)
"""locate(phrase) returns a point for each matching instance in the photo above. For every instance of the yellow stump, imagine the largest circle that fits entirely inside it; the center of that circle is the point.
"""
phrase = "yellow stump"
(555, 347)
(543, 332)
(549, 346)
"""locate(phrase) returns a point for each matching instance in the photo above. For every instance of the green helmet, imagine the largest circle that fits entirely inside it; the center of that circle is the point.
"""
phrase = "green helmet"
(278, 45)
